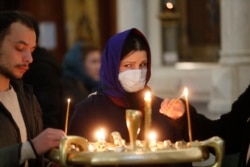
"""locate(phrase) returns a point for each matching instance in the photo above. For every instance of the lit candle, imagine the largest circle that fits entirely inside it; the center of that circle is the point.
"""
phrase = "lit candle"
(152, 138)
(101, 143)
(100, 135)
(147, 116)
(185, 92)
(67, 116)
(91, 147)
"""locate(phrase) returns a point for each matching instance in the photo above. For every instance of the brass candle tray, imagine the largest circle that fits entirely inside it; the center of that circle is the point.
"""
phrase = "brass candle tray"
(75, 150)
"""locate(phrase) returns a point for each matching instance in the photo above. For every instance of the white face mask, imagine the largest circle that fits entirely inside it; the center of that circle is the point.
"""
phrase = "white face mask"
(133, 80)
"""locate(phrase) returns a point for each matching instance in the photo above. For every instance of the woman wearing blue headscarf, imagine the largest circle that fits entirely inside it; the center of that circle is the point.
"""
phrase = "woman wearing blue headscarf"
(125, 72)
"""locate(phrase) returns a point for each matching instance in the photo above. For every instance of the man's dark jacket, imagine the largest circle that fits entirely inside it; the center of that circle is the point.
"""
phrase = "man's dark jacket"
(10, 138)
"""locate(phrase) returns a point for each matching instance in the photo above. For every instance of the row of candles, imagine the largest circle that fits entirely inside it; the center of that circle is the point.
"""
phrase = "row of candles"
(150, 136)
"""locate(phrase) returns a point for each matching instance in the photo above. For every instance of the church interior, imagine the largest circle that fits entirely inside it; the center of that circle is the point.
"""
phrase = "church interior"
(202, 45)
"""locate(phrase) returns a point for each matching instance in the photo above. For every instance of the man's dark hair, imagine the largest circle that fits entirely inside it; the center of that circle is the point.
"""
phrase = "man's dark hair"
(9, 17)
(35, 24)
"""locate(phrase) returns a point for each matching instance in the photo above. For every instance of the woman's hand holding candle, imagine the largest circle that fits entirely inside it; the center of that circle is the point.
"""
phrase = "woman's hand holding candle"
(173, 108)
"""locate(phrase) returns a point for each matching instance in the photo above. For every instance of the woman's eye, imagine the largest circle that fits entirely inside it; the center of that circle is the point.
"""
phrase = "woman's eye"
(128, 65)
(143, 65)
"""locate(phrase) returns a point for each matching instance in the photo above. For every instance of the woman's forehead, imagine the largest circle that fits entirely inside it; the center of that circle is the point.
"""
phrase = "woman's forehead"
(135, 55)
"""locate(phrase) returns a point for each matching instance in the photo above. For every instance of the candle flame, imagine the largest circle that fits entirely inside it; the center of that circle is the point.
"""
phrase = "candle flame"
(147, 96)
(169, 5)
(100, 135)
(185, 92)
(91, 148)
(152, 136)
(68, 100)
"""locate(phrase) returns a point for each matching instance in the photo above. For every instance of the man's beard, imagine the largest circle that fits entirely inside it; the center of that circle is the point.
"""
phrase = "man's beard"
(7, 73)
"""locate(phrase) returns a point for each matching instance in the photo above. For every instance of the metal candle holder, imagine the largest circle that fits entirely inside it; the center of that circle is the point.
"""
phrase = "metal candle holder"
(133, 121)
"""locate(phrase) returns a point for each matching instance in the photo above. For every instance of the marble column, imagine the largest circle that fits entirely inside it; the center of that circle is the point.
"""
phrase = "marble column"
(142, 14)
(231, 77)
(131, 14)
(154, 31)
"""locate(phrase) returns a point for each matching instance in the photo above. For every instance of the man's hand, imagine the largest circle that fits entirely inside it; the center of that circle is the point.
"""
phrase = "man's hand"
(48, 139)
(173, 108)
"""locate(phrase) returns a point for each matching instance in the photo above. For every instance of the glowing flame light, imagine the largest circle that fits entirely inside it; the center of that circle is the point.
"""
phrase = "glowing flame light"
(147, 96)
(185, 92)
(169, 5)
(100, 135)
(152, 136)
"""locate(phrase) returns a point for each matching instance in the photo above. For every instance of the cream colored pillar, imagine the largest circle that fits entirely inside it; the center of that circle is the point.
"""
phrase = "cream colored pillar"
(131, 13)
(142, 14)
(231, 77)
(154, 32)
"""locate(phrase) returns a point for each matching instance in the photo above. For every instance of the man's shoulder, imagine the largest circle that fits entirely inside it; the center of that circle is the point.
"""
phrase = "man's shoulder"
(20, 86)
